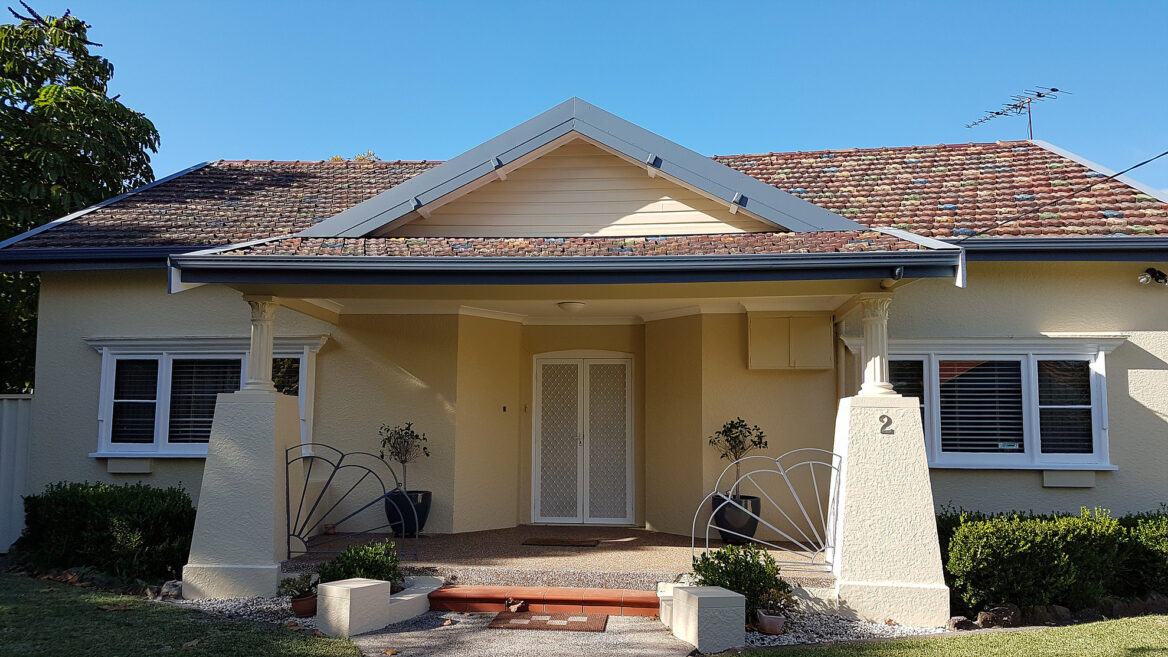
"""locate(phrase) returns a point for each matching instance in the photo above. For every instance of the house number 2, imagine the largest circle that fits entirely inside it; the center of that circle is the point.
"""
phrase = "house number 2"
(886, 425)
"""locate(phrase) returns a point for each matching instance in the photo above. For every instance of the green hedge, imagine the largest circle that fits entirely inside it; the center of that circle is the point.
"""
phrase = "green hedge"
(1030, 559)
(133, 531)
(748, 569)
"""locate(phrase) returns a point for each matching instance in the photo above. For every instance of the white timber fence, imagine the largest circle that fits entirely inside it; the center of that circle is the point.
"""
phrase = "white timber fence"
(14, 419)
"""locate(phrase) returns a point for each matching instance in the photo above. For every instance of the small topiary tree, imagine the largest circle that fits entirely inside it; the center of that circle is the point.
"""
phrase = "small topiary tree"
(735, 440)
(403, 445)
(745, 569)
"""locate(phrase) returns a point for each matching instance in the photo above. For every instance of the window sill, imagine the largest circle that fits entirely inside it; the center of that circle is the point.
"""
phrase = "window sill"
(1098, 467)
(146, 455)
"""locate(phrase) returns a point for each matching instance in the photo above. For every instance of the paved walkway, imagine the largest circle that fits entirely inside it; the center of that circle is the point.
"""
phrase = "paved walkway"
(469, 636)
(624, 557)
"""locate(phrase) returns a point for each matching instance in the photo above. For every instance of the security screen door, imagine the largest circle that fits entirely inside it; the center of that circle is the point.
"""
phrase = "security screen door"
(582, 435)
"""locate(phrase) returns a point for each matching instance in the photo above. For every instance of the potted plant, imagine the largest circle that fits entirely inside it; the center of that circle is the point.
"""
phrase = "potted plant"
(302, 590)
(406, 510)
(733, 441)
(772, 610)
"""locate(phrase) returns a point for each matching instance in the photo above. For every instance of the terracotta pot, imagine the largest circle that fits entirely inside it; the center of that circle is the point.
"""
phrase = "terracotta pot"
(304, 607)
(770, 624)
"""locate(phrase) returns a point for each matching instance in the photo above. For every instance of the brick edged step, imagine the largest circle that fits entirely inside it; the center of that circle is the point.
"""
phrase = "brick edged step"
(615, 602)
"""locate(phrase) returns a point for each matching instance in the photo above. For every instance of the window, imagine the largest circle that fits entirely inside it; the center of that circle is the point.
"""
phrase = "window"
(1027, 410)
(158, 398)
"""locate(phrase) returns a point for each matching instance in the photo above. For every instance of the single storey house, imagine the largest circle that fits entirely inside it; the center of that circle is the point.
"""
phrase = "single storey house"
(570, 309)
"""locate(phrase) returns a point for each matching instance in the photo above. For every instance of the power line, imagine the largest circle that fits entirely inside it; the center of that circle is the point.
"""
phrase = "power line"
(1063, 198)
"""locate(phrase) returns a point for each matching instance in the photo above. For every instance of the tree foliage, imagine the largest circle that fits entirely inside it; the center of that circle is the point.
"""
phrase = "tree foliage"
(65, 144)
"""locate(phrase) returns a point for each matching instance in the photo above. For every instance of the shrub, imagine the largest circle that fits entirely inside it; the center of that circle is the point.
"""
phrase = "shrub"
(1145, 557)
(133, 531)
(298, 587)
(745, 569)
(377, 560)
(1071, 560)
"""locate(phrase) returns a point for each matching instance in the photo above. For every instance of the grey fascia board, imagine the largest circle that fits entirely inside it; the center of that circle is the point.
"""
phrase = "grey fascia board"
(80, 213)
(1147, 189)
(1066, 248)
(89, 258)
(769, 203)
(567, 263)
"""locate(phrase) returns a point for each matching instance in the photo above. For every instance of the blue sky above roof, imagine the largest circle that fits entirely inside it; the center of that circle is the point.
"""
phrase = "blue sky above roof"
(266, 80)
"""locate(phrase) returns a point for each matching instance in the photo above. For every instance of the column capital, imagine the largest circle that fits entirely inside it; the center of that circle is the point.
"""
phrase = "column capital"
(874, 305)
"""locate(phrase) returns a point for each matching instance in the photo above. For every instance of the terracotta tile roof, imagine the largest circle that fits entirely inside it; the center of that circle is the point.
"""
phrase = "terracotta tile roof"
(726, 244)
(230, 201)
(938, 191)
(954, 190)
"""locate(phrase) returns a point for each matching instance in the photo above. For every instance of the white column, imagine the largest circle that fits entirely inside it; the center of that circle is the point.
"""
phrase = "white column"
(259, 356)
(874, 309)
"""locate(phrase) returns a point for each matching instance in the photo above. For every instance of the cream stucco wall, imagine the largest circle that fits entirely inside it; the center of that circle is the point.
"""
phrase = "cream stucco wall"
(673, 421)
(78, 305)
(486, 453)
(452, 375)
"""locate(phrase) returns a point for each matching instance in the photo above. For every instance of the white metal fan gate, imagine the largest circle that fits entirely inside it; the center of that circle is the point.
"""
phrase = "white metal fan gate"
(582, 441)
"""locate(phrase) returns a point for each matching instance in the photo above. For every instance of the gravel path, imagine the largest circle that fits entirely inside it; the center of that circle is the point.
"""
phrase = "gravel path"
(468, 635)
(821, 628)
(277, 611)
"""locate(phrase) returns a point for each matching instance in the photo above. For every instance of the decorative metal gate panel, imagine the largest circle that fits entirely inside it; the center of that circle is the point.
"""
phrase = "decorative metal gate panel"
(798, 503)
(334, 499)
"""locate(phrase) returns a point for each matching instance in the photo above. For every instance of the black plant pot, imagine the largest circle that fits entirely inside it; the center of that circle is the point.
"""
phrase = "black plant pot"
(403, 521)
(728, 516)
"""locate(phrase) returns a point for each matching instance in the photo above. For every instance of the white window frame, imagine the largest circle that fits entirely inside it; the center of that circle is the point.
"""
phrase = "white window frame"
(1028, 353)
(165, 351)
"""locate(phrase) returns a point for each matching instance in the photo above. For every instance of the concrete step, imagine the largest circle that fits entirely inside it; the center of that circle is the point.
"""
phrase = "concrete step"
(615, 602)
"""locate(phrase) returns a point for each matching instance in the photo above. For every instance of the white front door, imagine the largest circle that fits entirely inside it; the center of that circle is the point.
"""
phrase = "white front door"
(582, 454)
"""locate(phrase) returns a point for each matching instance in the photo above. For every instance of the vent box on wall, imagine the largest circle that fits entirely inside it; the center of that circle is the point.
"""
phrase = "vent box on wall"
(790, 342)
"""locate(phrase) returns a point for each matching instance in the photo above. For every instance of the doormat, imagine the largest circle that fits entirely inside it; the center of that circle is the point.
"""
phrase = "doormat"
(526, 620)
(562, 542)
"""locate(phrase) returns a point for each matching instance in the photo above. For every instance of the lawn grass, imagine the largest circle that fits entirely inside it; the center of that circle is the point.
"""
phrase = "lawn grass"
(39, 618)
(1145, 636)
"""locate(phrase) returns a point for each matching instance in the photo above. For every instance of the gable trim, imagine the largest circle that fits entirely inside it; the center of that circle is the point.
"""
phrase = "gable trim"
(684, 166)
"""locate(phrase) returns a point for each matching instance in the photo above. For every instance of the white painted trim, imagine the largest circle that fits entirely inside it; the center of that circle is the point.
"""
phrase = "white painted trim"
(201, 342)
(165, 350)
(583, 358)
(1028, 353)
(577, 320)
(1068, 343)
(684, 311)
(487, 313)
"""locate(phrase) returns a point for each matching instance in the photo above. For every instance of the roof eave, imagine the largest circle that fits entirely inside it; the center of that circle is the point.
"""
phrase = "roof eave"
(1065, 248)
(479, 270)
(88, 258)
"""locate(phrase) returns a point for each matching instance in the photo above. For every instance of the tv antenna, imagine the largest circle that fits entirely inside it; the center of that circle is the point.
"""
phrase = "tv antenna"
(1021, 103)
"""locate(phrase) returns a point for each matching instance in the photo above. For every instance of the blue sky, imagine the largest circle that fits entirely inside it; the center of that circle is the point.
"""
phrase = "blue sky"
(427, 80)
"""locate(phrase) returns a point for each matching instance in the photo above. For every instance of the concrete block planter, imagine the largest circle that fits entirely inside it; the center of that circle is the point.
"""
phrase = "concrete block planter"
(355, 606)
(710, 618)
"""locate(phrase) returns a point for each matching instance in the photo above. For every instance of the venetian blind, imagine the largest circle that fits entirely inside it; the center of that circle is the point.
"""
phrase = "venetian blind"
(981, 406)
(194, 385)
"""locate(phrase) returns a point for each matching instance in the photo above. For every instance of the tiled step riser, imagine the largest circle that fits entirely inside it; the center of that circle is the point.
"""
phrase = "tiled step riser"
(615, 602)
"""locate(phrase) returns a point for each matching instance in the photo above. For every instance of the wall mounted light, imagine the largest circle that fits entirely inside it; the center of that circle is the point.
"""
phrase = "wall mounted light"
(1152, 275)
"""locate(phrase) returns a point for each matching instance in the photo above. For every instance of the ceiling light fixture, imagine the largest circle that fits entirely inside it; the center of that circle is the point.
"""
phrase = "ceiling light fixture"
(571, 306)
